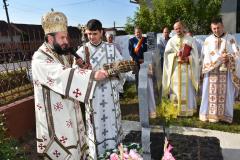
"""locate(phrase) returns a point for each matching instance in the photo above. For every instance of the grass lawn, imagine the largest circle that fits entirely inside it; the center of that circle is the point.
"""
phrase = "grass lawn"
(129, 107)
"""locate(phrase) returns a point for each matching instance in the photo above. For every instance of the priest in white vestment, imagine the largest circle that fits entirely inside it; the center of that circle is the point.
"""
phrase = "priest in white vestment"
(58, 88)
(181, 74)
(103, 115)
(221, 75)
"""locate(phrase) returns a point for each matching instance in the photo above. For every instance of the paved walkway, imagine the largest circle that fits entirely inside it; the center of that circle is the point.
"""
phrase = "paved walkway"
(229, 142)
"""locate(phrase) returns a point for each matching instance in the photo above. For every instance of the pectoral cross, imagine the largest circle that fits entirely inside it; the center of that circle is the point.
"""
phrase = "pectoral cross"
(218, 43)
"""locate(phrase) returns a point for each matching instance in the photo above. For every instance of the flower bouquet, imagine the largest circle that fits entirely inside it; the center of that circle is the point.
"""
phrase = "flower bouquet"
(131, 151)
(167, 155)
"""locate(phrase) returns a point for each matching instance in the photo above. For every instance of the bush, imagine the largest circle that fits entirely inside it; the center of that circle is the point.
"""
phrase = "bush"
(14, 85)
(13, 79)
(9, 147)
(167, 110)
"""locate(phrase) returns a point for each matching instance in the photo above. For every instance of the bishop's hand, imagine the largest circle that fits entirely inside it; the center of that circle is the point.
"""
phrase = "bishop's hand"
(100, 75)
(118, 67)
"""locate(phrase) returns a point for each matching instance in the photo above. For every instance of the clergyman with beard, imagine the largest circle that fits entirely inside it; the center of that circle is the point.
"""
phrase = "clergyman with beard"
(58, 88)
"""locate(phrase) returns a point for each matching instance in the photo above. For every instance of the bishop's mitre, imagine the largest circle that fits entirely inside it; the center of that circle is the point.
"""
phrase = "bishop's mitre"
(54, 22)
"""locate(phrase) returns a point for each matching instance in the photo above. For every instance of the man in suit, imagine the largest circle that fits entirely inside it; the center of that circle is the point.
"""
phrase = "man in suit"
(137, 46)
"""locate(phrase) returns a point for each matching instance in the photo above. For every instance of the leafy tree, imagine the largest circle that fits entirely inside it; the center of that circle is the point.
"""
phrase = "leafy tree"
(129, 26)
(205, 10)
(196, 14)
(141, 18)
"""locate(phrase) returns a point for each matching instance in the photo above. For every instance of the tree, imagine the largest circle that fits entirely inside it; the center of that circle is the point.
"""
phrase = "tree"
(141, 18)
(205, 10)
(129, 26)
(196, 14)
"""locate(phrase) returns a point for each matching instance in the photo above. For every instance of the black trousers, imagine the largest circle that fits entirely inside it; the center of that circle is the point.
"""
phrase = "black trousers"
(137, 77)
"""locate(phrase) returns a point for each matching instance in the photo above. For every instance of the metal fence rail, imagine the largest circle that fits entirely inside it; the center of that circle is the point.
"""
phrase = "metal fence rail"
(15, 65)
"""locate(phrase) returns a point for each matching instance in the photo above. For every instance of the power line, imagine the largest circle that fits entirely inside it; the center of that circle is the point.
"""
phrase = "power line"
(76, 3)
(120, 2)
(56, 5)
(20, 6)
(29, 6)
(27, 10)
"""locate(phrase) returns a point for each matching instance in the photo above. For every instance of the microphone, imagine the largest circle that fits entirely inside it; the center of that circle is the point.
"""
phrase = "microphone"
(79, 61)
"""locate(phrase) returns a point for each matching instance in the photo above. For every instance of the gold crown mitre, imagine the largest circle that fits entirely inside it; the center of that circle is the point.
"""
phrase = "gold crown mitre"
(54, 22)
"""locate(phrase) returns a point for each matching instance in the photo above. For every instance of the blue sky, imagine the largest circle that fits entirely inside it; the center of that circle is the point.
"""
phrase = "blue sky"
(77, 11)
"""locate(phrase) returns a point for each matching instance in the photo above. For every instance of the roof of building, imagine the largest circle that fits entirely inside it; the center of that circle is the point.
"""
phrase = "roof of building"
(33, 31)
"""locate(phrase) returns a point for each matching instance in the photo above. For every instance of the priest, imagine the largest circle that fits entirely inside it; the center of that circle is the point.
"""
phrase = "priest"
(181, 71)
(221, 70)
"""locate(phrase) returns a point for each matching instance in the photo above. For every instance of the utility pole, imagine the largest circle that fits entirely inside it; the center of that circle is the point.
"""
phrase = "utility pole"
(6, 10)
(9, 25)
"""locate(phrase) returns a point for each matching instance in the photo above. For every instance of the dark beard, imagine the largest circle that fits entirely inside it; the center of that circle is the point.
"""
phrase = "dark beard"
(58, 49)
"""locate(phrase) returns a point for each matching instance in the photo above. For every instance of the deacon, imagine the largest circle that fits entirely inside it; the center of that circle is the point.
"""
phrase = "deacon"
(58, 88)
(103, 115)
(221, 70)
(180, 71)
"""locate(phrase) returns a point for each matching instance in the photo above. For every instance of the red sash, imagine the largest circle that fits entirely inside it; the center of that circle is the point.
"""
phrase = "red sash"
(138, 46)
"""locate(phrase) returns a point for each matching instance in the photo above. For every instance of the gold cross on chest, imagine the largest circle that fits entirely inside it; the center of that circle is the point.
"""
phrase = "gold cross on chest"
(218, 43)
(180, 43)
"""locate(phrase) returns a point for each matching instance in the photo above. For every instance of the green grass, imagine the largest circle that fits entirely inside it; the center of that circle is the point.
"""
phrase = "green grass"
(129, 107)
(129, 96)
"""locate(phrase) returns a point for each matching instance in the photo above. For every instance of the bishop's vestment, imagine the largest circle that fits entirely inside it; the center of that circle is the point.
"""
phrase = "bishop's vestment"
(58, 88)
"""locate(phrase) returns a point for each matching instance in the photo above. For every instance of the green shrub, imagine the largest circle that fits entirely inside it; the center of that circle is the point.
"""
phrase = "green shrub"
(14, 85)
(13, 79)
(167, 110)
(9, 149)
